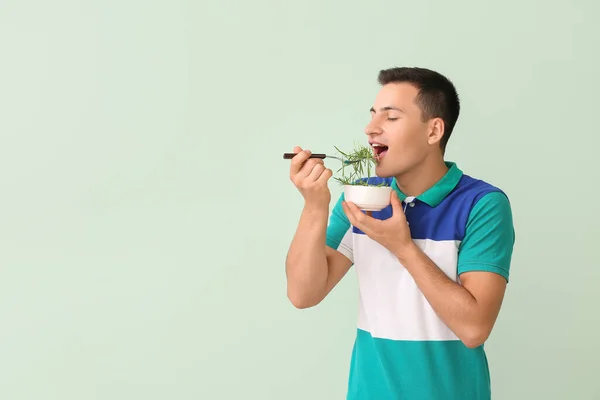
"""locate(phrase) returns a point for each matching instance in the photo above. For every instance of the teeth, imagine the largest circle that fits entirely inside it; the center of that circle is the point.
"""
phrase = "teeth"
(377, 145)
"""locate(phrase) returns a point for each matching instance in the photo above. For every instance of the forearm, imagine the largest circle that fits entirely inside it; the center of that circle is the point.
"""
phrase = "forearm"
(306, 263)
(453, 303)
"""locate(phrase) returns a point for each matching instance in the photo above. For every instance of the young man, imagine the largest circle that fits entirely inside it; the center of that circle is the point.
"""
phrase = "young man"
(432, 267)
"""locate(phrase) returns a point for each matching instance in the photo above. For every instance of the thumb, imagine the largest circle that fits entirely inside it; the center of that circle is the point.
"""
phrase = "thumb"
(396, 204)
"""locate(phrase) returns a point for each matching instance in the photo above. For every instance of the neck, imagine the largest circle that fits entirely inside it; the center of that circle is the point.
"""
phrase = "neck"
(422, 177)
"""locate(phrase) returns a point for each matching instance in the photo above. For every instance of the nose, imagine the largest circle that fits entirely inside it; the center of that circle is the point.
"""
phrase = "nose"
(373, 128)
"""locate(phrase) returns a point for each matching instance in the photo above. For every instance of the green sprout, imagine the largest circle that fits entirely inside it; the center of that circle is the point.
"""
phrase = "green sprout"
(358, 166)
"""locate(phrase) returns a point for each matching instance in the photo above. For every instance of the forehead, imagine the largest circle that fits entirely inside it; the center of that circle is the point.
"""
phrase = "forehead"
(401, 95)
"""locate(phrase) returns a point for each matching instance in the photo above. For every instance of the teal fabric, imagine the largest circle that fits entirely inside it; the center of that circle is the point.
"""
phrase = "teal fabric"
(435, 194)
(489, 237)
(417, 370)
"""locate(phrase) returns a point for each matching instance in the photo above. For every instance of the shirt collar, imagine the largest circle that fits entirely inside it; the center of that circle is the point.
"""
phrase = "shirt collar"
(435, 194)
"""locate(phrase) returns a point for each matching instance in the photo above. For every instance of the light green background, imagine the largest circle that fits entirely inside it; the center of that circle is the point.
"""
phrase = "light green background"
(146, 209)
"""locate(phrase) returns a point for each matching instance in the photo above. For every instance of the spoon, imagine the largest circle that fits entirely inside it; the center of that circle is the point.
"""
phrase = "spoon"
(289, 156)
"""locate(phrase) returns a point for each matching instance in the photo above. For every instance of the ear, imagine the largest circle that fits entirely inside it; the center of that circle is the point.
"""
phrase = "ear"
(436, 131)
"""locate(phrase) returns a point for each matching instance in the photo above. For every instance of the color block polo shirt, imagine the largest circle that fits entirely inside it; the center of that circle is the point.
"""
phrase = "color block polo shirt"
(402, 349)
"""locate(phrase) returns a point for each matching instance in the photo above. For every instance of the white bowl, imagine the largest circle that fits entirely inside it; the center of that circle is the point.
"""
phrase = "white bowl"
(368, 198)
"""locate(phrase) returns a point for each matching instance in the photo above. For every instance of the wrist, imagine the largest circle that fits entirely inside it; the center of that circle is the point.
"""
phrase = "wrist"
(316, 207)
(407, 252)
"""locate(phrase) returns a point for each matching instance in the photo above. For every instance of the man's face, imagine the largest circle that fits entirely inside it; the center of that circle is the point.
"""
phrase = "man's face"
(399, 137)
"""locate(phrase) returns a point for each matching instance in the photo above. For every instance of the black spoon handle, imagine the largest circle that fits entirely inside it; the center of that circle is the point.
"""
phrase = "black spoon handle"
(289, 156)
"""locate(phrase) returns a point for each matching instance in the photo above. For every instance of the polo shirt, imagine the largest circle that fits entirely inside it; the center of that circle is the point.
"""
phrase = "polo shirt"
(402, 349)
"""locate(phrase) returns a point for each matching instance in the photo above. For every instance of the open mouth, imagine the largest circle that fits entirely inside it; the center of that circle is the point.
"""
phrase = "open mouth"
(379, 150)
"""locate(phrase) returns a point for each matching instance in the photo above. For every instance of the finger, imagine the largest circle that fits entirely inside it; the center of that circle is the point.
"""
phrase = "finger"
(325, 175)
(349, 213)
(367, 222)
(316, 172)
(298, 161)
(359, 216)
(308, 167)
(397, 211)
(356, 216)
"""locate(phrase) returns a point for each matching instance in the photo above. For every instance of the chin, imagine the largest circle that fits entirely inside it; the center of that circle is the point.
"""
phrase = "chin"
(382, 172)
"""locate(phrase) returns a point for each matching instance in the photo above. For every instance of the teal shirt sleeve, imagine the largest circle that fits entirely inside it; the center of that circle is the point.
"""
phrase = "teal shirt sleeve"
(338, 235)
(489, 237)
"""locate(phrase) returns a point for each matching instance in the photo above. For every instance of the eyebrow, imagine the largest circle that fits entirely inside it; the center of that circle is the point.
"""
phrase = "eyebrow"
(387, 108)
